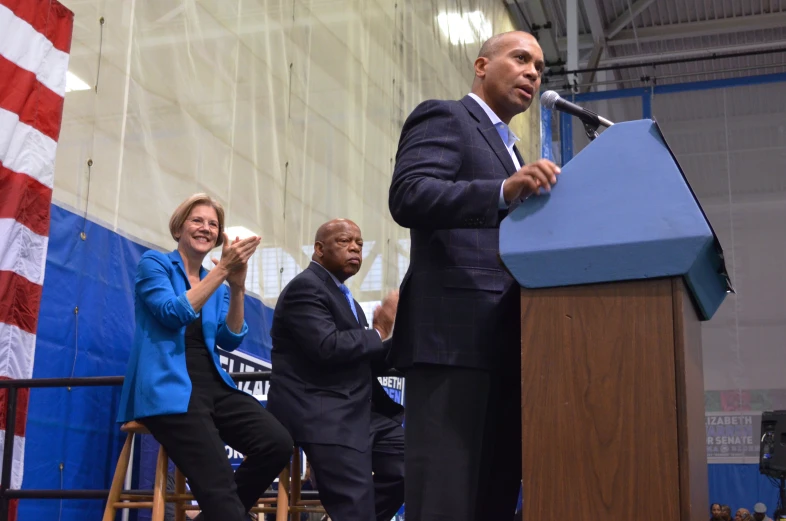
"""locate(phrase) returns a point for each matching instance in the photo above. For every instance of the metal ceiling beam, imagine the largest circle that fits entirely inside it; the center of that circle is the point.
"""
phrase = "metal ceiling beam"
(690, 53)
(594, 60)
(599, 39)
(530, 14)
(595, 23)
(572, 28)
(688, 30)
(627, 17)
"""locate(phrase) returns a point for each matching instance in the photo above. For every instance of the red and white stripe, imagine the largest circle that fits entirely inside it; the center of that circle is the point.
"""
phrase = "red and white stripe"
(35, 40)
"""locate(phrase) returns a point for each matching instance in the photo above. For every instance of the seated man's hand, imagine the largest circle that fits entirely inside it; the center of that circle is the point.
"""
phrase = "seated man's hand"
(385, 315)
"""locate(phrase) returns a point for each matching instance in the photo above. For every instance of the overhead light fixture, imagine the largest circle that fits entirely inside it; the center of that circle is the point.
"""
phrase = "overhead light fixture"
(465, 28)
(239, 231)
(74, 82)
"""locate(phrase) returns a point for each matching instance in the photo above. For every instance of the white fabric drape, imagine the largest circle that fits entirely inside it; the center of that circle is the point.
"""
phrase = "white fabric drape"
(288, 111)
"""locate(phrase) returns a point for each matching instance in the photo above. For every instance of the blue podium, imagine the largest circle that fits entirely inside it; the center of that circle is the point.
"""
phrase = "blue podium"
(618, 266)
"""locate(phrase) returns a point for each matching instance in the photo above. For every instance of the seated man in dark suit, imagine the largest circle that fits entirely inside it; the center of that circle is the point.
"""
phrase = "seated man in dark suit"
(324, 388)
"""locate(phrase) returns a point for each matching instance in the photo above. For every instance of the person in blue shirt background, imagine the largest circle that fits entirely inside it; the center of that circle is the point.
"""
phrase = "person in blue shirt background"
(174, 384)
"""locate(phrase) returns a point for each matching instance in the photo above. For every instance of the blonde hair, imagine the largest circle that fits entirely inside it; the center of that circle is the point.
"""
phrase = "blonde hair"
(182, 212)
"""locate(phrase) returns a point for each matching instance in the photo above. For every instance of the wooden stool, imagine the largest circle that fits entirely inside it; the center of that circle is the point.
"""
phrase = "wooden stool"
(159, 497)
(289, 487)
(118, 500)
(281, 507)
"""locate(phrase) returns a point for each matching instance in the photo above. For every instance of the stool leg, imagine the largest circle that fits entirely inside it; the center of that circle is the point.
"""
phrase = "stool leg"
(282, 503)
(180, 489)
(118, 479)
(295, 486)
(159, 488)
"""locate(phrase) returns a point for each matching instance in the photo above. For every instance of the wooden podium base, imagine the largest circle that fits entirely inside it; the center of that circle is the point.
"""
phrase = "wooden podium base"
(613, 403)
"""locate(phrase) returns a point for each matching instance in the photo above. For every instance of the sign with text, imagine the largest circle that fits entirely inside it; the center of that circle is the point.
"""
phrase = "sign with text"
(733, 437)
(394, 386)
(239, 362)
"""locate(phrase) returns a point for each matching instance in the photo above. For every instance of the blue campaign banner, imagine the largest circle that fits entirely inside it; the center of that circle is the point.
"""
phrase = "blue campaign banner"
(394, 386)
(240, 362)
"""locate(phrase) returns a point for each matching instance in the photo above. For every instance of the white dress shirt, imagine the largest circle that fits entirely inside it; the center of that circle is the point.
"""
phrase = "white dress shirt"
(505, 134)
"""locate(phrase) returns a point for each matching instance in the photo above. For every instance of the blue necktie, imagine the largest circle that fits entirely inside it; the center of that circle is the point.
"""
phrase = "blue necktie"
(348, 295)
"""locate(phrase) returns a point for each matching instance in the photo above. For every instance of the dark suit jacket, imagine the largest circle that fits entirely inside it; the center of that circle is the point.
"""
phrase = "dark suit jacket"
(457, 305)
(323, 385)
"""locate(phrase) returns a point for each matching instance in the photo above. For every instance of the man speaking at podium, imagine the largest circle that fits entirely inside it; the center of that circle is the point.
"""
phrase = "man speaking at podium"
(457, 331)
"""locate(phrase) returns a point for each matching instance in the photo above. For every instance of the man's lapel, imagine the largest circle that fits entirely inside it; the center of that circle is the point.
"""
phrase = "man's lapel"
(489, 133)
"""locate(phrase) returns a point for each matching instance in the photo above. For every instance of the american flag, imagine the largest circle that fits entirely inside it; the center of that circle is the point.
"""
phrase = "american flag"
(35, 40)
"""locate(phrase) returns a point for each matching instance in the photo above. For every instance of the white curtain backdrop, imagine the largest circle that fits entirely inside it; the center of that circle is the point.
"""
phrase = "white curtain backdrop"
(287, 111)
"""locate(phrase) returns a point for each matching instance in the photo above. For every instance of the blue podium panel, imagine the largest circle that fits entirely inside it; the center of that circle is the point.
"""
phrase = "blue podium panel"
(622, 210)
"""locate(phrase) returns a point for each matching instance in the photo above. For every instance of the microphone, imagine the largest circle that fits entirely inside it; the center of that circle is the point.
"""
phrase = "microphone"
(552, 100)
